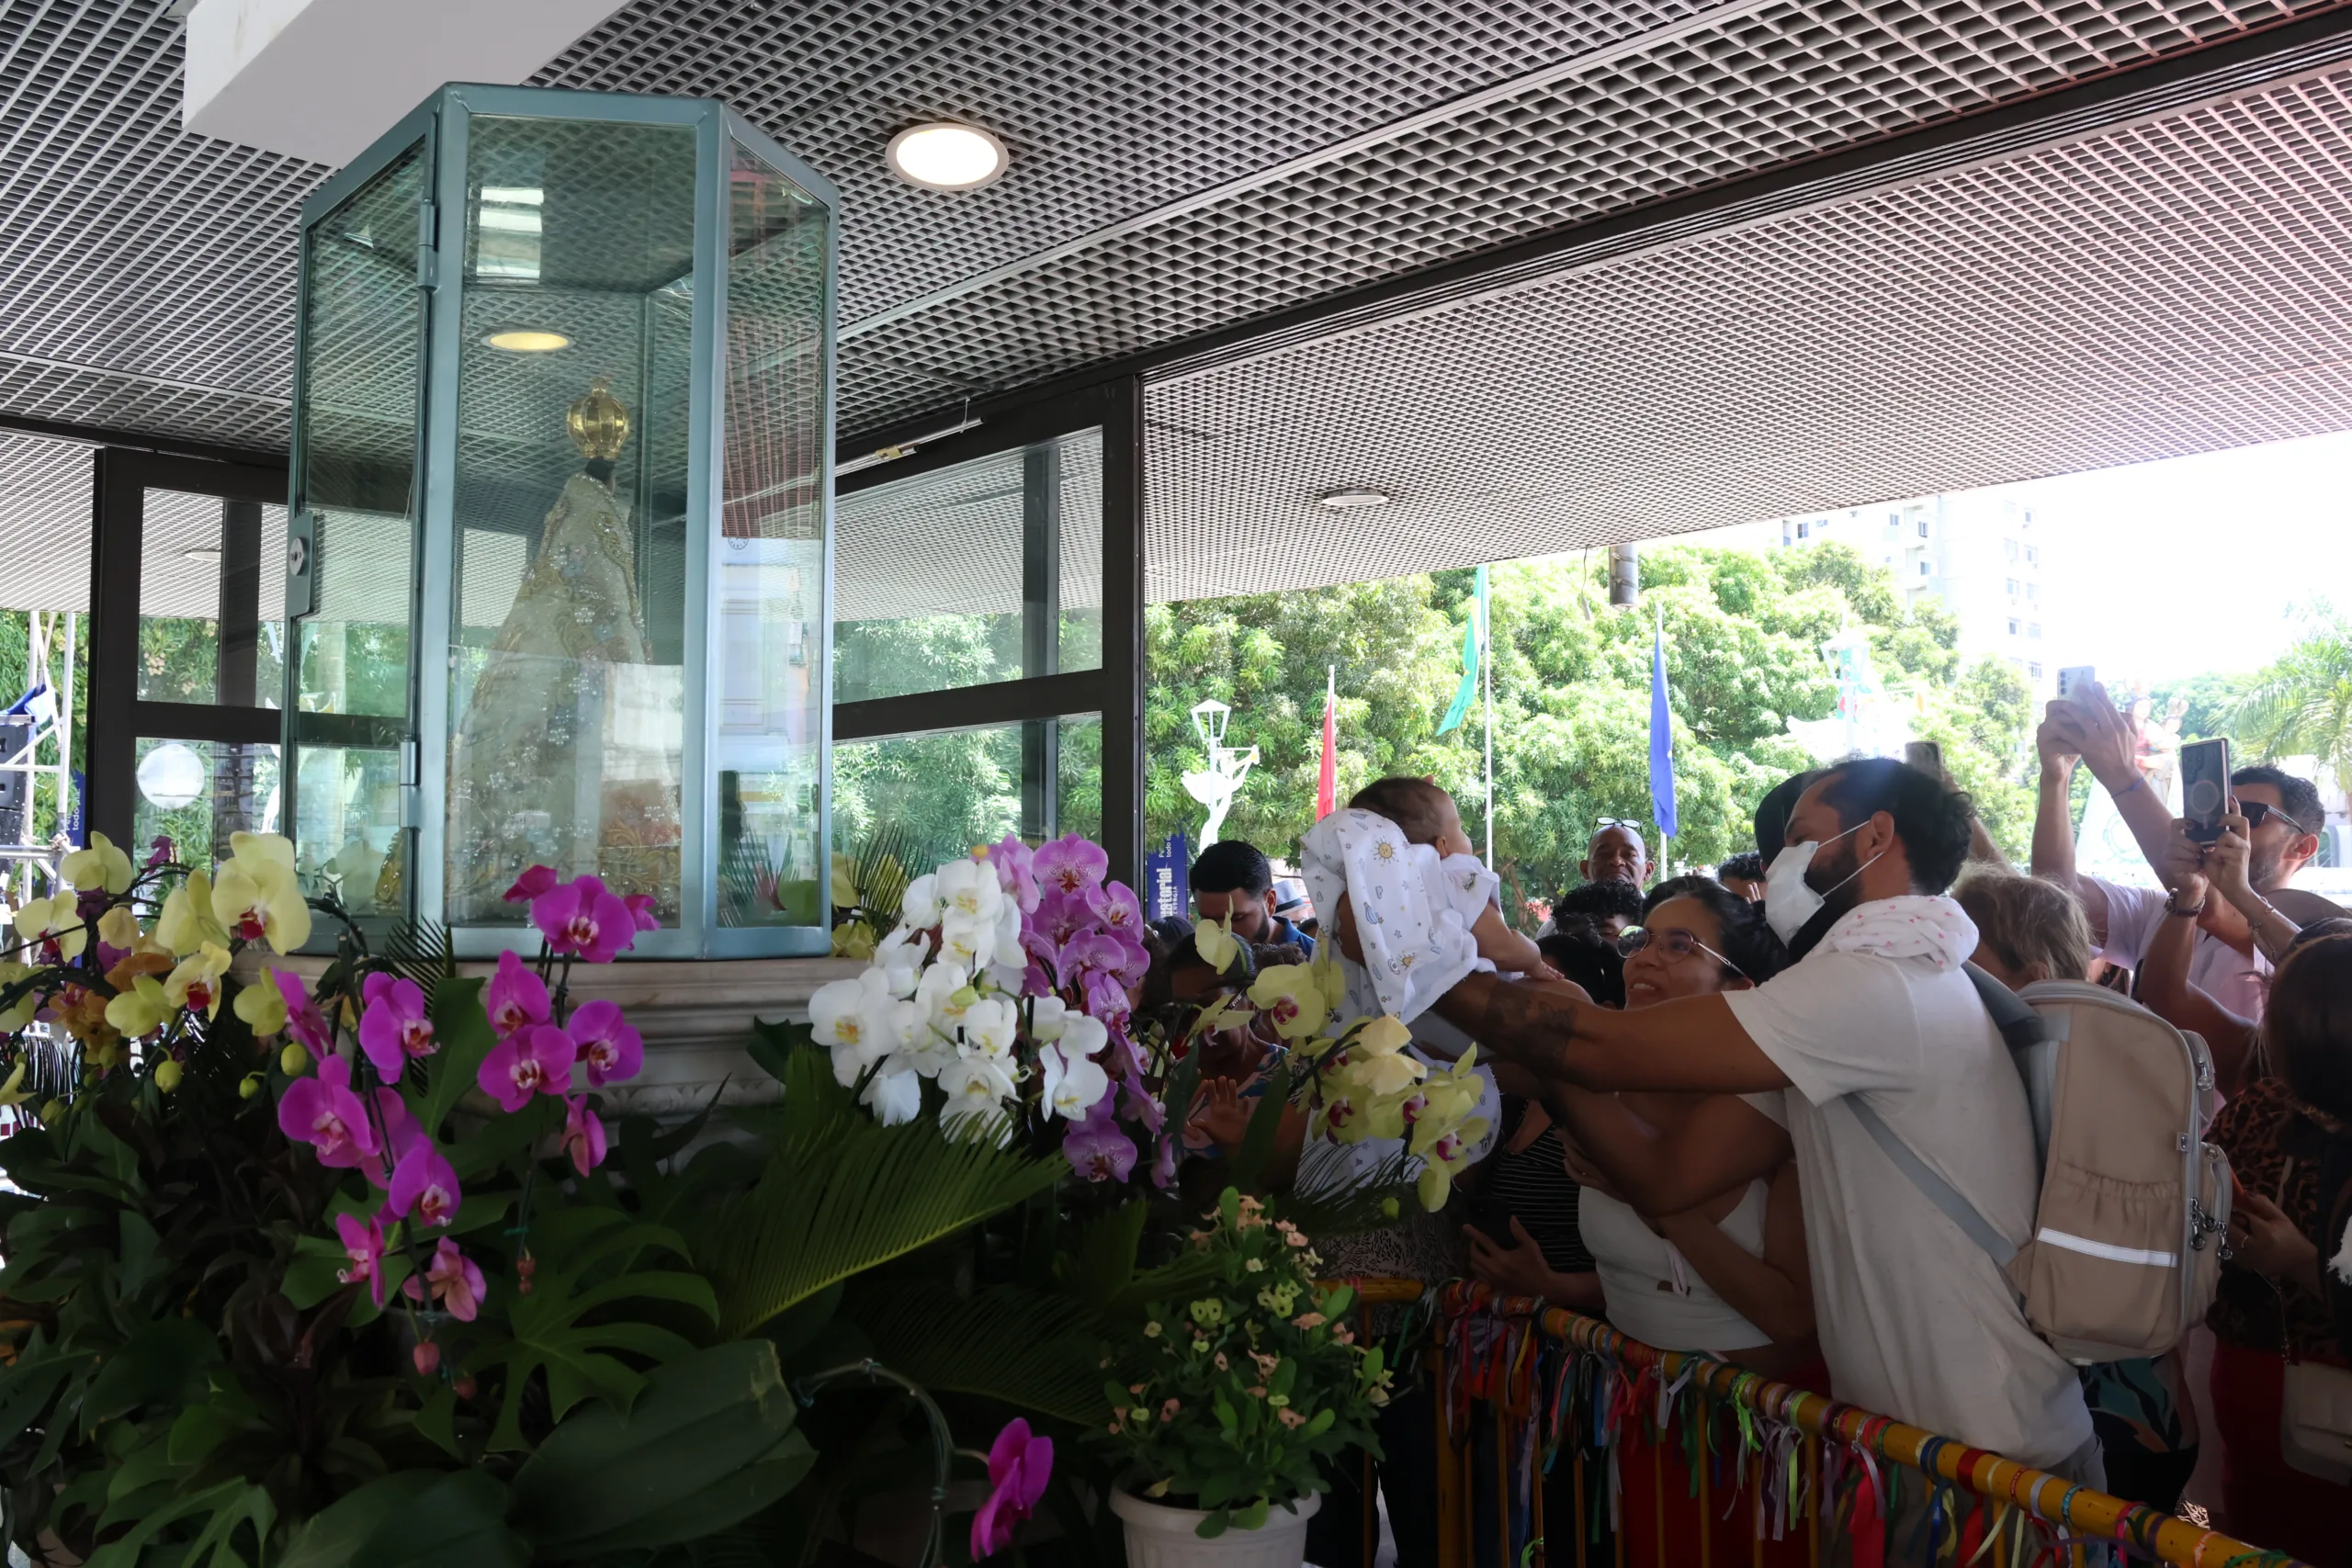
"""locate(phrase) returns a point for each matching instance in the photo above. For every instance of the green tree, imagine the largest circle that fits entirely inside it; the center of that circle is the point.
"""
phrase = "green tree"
(1571, 695)
(2300, 704)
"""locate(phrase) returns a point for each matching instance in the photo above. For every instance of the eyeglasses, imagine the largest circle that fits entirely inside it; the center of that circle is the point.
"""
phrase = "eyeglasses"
(2256, 814)
(1674, 943)
(1600, 822)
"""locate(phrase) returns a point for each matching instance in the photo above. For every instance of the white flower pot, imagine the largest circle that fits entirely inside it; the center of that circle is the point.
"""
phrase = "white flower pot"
(1163, 1537)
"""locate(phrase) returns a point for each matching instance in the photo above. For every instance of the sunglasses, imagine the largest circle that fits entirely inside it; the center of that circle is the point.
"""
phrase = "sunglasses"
(2256, 814)
(1675, 944)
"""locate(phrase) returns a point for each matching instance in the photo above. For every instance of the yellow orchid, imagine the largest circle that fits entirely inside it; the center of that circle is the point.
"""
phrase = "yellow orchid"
(257, 895)
(1290, 997)
(196, 984)
(844, 893)
(10, 1092)
(853, 939)
(187, 922)
(54, 919)
(18, 1013)
(119, 928)
(1449, 1153)
(1214, 941)
(99, 866)
(263, 1007)
(141, 1009)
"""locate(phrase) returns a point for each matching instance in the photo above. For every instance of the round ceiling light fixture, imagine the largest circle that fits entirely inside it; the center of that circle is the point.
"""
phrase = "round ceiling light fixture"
(947, 155)
(527, 340)
(1351, 497)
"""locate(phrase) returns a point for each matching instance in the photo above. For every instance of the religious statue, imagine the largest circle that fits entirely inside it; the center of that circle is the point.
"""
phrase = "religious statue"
(565, 756)
(1229, 765)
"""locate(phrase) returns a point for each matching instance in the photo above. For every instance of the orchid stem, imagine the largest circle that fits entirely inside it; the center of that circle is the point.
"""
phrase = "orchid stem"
(943, 1444)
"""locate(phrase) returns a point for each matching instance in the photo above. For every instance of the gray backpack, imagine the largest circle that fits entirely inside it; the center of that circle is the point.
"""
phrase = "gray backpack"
(2127, 1241)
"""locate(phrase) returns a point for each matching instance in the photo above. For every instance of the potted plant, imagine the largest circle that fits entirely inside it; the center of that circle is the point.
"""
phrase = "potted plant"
(1230, 1400)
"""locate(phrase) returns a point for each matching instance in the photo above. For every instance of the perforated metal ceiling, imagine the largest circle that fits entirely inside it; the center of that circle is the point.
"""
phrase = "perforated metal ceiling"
(2176, 287)
(1180, 165)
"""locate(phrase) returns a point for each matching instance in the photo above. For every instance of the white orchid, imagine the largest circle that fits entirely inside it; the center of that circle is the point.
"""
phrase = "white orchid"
(1073, 1084)
(969, 888)
(894, 1096)
(975, 1087)
(990, 1027)
(943, 994)
(1082, 1036)
(844, 1012)
(1046, 1017)
(899, 956)
(918, 905)
(966, 941)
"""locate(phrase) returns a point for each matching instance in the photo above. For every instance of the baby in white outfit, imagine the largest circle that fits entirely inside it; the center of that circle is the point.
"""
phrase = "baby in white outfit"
(1426, 814)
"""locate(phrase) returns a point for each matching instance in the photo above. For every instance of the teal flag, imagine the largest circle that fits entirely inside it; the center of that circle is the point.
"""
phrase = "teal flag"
(1470, 637)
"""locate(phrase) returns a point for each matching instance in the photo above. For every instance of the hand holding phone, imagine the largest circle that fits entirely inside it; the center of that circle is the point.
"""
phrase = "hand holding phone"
(2205, 788)
(2074, 679)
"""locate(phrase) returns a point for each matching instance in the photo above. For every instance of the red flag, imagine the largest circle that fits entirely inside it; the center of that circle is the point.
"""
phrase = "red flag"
(1327, 777)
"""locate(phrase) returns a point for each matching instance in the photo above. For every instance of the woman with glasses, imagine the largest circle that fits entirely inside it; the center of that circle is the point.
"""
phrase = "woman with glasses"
(1721, 1272)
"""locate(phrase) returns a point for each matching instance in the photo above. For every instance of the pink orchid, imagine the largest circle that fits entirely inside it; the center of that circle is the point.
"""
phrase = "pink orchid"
(583, 1135)
(1019, 1467)
(424, 1185)
(1094, 952)
(303, 1016)
(393, 1030)
(516, 999)
(611, 1048)
(536, 1061)
(398, 1131)
(531, 883)
(1097, 1149)
(640, 911)
(1122, 911)
(455, 1282)
(363, 1243)
(1061, 917)
(584, 920)
(1070, 862)
(324, 1112)
(1016, 870)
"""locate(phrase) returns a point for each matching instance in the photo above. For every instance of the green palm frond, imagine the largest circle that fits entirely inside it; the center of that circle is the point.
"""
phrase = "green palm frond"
(842, 1193)
(1038, 1352)
(2301, 704)
(1335, 1197)
(421, 948)
(883, 861)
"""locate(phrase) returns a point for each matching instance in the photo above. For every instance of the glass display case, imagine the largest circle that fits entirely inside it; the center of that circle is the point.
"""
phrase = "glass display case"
(558, 559)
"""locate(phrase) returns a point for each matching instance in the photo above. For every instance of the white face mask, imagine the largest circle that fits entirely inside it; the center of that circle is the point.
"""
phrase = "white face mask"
(1789, 900)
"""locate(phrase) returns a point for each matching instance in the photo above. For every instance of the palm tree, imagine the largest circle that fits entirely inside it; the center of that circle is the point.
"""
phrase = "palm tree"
(2300, 705)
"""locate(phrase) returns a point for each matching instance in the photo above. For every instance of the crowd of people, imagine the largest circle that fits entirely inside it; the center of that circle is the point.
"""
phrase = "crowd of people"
(1754, 1112)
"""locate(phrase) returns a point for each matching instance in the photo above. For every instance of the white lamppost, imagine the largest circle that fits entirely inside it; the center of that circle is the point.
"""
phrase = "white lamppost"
(1229, 765)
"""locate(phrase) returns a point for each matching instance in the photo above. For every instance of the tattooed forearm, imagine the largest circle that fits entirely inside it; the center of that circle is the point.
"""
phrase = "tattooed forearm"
(1521, 1023)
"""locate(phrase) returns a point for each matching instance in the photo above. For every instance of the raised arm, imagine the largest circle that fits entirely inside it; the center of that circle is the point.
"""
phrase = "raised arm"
(1727, 1144)
(2227, 864)
(1694, 1043)
(1774, 1291)
(2165, 991)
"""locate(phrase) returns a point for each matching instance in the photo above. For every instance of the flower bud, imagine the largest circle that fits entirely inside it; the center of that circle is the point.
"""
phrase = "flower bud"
(466, 1387)
(250, 1087)
(427, 1356)
(168, 1074)
(53, 1110)
(293, 1059)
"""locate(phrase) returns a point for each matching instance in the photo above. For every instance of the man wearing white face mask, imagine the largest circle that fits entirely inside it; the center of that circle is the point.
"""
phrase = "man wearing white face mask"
(1915, 1320)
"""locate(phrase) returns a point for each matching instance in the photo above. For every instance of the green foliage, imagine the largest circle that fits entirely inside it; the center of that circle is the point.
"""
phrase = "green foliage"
(1571, 694)
(841, 1194)
(1235, 1399)
(2302, 702)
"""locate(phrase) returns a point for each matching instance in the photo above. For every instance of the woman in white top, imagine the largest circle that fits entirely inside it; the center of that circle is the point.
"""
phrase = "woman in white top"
(1727, 1273)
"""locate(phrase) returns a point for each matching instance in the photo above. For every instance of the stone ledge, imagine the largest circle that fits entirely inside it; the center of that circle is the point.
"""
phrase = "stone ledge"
(696, 1016)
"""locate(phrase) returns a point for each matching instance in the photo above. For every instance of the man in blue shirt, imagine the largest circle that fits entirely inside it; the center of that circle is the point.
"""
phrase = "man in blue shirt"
(1232, 880)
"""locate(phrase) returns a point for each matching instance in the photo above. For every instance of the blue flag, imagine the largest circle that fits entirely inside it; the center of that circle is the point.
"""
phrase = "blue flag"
(1468, 690)
(1662, 810)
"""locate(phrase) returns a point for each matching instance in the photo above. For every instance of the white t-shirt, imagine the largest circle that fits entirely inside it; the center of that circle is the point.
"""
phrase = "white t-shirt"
(1916, 1321)
(2233, 978)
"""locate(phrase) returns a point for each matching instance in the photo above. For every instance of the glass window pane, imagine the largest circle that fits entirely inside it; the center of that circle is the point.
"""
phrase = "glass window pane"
(364, 323)
(770, 567)
(199, 792)
(988, 570)
(347, 830)
(206, 563)
(943, 792)
(567, 690)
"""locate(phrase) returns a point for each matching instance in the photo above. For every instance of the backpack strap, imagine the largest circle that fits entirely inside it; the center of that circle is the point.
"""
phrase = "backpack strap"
(2022, 1029)
(1933, 1188)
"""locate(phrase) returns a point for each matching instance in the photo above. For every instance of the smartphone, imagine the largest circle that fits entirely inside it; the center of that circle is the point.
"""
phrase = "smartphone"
(2205, 788)
(1927, 756)
(2075, 678)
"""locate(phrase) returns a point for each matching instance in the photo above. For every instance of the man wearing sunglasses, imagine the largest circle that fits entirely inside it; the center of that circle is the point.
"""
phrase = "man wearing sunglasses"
(2283, 817)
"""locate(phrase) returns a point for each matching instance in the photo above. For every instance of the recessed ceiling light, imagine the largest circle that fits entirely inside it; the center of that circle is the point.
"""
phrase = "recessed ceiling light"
(1349, 497)
(528, 341)
(945, 155)
(208, 554)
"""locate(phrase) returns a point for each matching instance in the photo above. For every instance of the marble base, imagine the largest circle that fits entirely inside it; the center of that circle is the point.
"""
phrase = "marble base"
(696, 1016)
